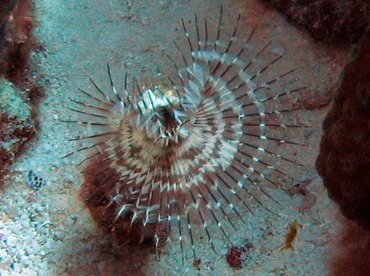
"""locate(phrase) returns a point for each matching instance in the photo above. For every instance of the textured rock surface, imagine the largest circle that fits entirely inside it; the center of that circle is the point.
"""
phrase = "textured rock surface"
(337, 21)
(5, 11)
(16, 124)
(16, 41)
(18, 88)
(352, 251)
(344, 159)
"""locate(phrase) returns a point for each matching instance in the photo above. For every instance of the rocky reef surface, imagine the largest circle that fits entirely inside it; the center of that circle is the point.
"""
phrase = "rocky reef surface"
(344, 158)
(19, 91)
(340, 22)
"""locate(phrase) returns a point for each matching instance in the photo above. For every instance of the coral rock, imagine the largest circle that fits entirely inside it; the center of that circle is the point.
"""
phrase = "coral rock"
(333, 21)
(16, 124)
(16, 40)
(13, 135)
(344, 159)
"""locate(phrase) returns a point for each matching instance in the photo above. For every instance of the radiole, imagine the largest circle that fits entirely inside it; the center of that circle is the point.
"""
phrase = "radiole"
(198, 149)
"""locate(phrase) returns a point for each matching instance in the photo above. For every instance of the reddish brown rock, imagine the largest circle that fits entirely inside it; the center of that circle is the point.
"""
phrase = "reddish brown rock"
(352, 251)
(16, 41)
(333, 21)
(236, 255)
(344, 159)
(14, 134)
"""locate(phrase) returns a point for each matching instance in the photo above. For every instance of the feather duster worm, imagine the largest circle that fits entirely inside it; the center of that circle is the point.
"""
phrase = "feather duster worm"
(195, 150)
